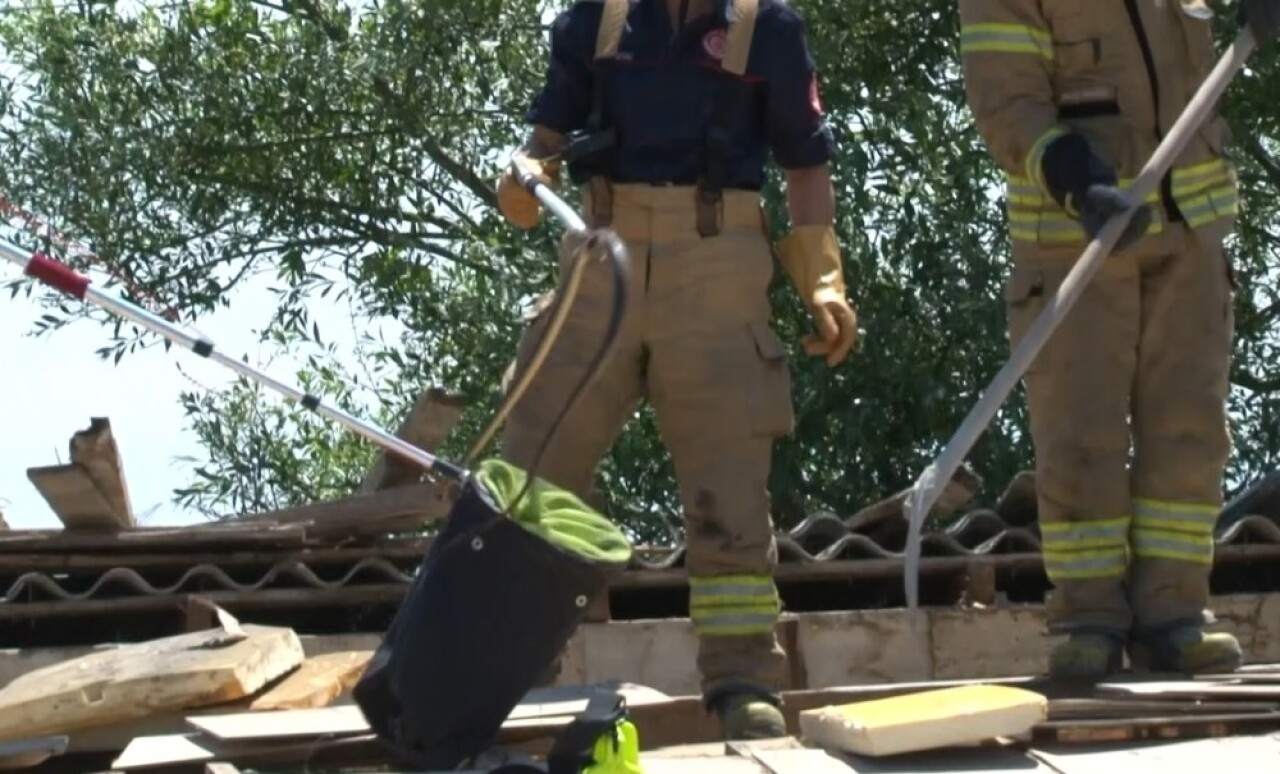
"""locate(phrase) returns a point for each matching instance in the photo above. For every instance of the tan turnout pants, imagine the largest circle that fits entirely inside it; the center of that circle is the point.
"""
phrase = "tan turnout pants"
(697, 343)
(1143, 356)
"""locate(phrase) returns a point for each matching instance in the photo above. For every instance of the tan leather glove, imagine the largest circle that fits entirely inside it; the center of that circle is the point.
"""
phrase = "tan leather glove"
(517, 205)
(811, 258)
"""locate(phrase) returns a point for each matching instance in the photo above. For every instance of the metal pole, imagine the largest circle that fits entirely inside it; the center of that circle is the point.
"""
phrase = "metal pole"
(70, 282)
(928, 488)
(554, 204)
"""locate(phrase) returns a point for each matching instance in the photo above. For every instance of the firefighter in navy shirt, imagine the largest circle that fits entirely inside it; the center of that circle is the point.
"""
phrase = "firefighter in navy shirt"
(665, 113)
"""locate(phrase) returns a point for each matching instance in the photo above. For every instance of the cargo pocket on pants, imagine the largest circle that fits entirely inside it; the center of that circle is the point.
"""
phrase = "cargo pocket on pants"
(1023, 299)
(768, 386)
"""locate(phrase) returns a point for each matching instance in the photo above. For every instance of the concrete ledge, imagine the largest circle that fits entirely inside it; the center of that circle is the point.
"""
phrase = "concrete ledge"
(827, 649)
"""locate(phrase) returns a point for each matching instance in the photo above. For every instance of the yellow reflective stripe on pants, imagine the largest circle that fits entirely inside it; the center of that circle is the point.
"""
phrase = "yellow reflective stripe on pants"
(733, 605)
(1085, 549)
(1005, 39)
(1172, 530)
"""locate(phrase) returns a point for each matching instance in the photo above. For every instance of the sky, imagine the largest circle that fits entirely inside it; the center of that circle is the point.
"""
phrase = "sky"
(53, 384)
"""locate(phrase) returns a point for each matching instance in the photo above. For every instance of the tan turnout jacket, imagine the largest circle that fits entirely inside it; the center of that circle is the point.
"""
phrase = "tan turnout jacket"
(1117, 71)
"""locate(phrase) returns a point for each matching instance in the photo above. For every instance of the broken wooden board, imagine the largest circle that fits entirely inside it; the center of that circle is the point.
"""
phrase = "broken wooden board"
(317, 682)
(427, 426)
(1234, 754)
(137, 680)
(90, 492)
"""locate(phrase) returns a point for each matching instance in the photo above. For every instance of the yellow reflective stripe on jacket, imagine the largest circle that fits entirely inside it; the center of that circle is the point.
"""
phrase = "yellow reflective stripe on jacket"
(1005, 39)
(1085, 549)
(1032, 167)
(1034, 216)
(1172, 530)
(1205, 192)
(730, 605)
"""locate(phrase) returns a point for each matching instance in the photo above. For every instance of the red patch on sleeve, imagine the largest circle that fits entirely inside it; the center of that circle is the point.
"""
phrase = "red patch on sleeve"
(815, 101)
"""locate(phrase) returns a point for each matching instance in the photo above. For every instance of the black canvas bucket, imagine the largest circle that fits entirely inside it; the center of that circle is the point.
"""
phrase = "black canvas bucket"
(494, 602)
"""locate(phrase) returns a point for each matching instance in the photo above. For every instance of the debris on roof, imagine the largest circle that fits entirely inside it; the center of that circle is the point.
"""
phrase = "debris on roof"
(186, 702)
(344, 565)
(220, 694)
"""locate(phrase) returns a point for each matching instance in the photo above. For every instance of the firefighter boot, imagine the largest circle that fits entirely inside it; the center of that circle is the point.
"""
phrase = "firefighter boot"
(747, 716)
(1086, 657)
(1187, 650)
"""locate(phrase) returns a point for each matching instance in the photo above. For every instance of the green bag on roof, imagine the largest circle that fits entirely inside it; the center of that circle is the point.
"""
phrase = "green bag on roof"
(556, 515)
(497, 597)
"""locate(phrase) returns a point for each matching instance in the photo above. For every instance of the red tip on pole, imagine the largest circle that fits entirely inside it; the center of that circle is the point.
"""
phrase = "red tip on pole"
(59, 276)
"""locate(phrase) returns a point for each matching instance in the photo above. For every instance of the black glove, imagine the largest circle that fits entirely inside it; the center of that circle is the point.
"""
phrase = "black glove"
(1085, 186)
(1262, 18)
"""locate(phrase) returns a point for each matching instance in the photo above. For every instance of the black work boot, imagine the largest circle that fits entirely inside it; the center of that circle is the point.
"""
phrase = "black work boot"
(1187, 650)
(1086, 657)
(747, 716)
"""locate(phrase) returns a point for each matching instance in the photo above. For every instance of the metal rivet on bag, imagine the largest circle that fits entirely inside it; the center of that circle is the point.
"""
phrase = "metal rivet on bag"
(477, 544)
(581, 601)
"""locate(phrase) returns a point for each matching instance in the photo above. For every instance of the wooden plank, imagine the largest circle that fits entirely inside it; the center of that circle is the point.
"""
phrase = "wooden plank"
(364, 749)
(924, 720)
(388, 510)
(428, 424)
(72, 496)
(1141, 729)
(137, 680)
(95, 451)
(970, 760)
(538, 704)
(316, 683)
(788, 756)
(1113, 709)
(231, 600)
(183, 539)
(801, 762)
(408, 549)
(1237, 753)
(1187, 689)
(88, 493)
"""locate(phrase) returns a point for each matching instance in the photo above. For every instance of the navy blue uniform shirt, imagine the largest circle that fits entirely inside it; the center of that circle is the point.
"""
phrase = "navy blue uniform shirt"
(661, 92)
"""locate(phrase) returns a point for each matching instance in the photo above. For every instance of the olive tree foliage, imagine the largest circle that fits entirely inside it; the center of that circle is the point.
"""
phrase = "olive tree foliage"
(348, 152)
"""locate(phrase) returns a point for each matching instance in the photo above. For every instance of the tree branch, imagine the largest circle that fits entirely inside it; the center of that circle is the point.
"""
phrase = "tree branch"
(1253, 146)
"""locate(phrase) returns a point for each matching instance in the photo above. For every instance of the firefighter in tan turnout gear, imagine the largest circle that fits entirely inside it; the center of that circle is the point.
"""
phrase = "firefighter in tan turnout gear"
(1072, 97)
(665, 112)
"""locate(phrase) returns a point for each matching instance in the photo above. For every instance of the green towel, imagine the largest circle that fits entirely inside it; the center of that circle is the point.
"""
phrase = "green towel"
(554, 514)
